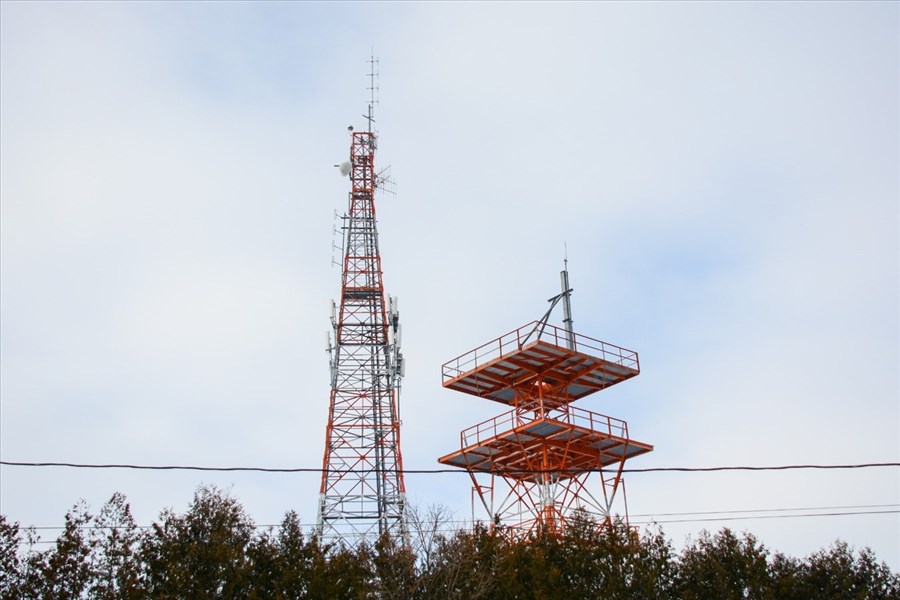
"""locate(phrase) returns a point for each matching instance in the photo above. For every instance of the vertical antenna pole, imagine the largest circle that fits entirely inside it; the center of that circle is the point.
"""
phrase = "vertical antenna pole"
(373, 90)
(567, 305)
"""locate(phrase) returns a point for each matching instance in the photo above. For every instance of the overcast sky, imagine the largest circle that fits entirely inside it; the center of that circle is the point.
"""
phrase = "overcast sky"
(723, 176)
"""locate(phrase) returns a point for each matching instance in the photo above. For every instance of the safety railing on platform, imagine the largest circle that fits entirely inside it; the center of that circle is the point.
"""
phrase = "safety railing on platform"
(515, 340)
(570, 415)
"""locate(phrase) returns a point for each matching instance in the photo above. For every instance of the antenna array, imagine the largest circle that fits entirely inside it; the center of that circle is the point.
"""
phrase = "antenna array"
(362, 495)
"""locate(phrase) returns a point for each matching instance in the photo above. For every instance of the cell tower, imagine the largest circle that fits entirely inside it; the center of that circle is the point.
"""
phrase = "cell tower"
(533, 466)
(362, 494)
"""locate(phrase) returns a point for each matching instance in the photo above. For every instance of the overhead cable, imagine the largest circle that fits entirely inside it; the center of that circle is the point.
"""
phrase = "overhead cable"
(438, 471)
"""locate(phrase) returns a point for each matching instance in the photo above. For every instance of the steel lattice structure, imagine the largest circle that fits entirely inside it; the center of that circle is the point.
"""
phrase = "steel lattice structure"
(362, 494)
(533, 466)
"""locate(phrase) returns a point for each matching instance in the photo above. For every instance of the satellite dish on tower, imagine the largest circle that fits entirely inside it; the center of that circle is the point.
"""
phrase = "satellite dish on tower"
(345, 169)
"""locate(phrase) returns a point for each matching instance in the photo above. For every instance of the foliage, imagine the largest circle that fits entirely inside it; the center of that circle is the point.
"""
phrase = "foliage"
(117, 568)
(214, 551)
(723, 566)
(202, 554)
(837, 573)
(9, 557)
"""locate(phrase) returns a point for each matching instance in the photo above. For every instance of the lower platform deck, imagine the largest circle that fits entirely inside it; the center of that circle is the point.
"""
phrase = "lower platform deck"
(568, 444)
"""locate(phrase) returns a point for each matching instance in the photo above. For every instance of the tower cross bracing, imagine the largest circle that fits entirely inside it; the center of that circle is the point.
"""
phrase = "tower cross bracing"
(362, 494)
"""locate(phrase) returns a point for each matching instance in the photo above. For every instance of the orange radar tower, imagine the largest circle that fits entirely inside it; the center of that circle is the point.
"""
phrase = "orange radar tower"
(533, 465)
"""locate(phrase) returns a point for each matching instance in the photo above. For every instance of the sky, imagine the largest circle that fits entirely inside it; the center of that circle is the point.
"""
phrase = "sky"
(722, 177)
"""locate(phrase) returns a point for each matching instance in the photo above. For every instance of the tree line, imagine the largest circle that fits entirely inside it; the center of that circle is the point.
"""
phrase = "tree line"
(215, 551)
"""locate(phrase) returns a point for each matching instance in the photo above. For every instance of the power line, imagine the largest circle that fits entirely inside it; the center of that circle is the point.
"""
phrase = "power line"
(765, 510)
(441, 471)
(744, 468)
(746, 518)
(450, 527)
(852, 507)
(162, 467)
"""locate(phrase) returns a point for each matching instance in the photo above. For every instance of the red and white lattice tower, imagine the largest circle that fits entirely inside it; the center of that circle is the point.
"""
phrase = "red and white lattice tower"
(533, 466)
(362, 494)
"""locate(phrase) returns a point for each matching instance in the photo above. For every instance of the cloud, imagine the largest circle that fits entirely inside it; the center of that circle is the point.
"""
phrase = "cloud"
(723, 178)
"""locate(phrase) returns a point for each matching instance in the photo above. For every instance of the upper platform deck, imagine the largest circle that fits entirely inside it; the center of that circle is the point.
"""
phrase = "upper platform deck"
(532, 353)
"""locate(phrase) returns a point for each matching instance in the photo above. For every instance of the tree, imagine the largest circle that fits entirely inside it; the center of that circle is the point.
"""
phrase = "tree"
(655, 567)
(64, 571)
(463, 566)
(723, 566)
(213, 551)
(786, 574)
(836, 573)
(613, 561)
(9, 559)
(296, 558)
(284, 564)
(427, 532)
(530, 568)
(116, 562)
(347, 573)
(394, 568)
(202, 554)
(265, 567)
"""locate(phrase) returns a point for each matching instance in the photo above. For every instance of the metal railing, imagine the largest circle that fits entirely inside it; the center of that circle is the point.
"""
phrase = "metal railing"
(517, 339)
(570, 415)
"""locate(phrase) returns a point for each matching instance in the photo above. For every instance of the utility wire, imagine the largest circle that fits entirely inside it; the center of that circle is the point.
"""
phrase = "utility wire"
(776, 468)
(766, 510)
(451, 527)
(720, 519)
(438, 471)
(452, 522)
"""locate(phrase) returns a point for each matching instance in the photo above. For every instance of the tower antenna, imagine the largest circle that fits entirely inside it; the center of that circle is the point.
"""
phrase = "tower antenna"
(362, 495)
(567, 303)
(373, 90)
